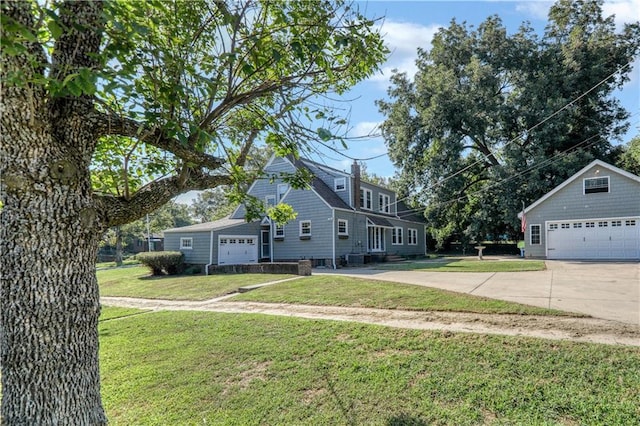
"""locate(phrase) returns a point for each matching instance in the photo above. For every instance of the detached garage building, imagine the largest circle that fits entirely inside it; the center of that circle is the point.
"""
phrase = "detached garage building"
(595, 214)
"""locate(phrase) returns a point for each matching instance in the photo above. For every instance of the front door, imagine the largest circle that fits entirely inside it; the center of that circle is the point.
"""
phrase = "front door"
(265, 244)
(376, 239)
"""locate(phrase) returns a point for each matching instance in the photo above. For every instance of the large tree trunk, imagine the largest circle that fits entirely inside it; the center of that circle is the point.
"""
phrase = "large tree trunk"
(49, 303)
(49, 232)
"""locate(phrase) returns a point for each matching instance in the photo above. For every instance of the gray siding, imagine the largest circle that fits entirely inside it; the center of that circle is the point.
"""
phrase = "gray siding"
(198, 254)
(622, 200)
(309, 207)
(375, 193)
(329, 179)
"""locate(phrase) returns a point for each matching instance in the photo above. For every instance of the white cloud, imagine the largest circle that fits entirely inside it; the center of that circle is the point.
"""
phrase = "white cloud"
(365, 129)
(625, 11)
(403, 39)
(535, 9)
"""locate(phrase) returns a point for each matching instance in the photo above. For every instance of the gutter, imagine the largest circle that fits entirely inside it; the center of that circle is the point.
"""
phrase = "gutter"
(333, 236)
(206, 268)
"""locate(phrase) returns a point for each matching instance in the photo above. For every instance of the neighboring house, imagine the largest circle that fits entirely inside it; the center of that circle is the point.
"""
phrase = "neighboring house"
(340, 218)
(142, 244)
(595, 214)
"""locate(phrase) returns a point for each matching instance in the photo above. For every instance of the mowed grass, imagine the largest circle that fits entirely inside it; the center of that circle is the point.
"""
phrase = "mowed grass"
(335, 290)
(138, 282)
(466, 265)
(193, 368)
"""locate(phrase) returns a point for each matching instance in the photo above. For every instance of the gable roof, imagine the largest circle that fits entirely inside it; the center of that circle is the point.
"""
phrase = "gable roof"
(580, 172)
(322, 189)
(208, 226)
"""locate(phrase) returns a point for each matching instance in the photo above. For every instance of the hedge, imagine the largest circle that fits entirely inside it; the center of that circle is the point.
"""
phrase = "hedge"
(163, 262)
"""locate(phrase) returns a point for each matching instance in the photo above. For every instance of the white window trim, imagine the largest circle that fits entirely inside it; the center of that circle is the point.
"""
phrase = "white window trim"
(340, 182)
(584, 185)
(531, 234)
(384, 207)
(267, 198)
(303, 234)
(282, 190)
(277, 228)
(346, 227)
(397, 239)
(183, 240)
(412, 234)
(366, 191)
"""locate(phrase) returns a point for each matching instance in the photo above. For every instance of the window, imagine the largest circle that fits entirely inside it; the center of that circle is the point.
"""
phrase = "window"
(250, 241)
(186, 243)
(305, 228)
(365, 198)
(565, 226)
(534, 235)
(603, 224)
(384, 202)
(412, 237)
(282, 189)
(396, 236)
(270, 200)
(343, 227)
(630, 223)
(279, 231)
(577, 225)
(223, 241)
(553, 226)
(599, 184)
(590, 225)
(616, 223)
(340, 184)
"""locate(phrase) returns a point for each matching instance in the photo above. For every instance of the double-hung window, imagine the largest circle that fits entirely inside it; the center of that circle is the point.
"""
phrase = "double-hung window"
(279, 231)
(535, 235)
(305, 228)
(396, 236)
(384, 203)
(365, 198)
(343, 228)
(340, 184)
(412, 237)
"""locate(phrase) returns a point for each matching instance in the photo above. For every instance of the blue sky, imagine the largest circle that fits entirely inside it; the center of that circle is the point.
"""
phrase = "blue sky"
(408, 25)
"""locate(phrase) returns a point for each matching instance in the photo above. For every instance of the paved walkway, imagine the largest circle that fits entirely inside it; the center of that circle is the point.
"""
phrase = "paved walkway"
(608, 290)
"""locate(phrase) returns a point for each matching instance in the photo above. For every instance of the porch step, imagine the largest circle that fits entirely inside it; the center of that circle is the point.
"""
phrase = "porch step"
(393, 258)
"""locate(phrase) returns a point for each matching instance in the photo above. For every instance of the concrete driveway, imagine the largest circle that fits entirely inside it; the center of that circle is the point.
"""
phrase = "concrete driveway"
(609, 290)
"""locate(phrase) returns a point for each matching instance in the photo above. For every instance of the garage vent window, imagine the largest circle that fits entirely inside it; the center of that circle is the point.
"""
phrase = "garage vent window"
(616, 223)
(590, 225)
(186, 243)
(630, 223)
(603, 224)
(577, 225)
(599, 184)
(534, 235)
(566, 226)
(553, 226)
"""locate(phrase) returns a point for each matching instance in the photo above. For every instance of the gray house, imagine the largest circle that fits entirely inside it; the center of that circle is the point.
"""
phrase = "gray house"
(595, 214)
(340, 218)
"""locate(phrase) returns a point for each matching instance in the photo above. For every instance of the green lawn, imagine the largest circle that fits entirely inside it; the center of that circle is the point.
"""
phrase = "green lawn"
(337, 290)
(137, 282)
(194, 368)
(466, 265)
(130, 261)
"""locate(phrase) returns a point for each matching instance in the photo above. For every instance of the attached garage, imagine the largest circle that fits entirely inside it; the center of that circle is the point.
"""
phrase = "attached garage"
(617, 238)
(237, 249)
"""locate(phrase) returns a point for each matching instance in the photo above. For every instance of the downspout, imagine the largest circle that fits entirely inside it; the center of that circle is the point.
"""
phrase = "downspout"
(206, 268)
(272, 230)
(333, 236)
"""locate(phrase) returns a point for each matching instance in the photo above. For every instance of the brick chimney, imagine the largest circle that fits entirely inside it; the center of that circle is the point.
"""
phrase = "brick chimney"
(355, 178)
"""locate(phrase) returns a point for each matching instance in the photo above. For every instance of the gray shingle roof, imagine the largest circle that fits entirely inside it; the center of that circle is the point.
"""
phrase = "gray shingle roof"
(208, 226)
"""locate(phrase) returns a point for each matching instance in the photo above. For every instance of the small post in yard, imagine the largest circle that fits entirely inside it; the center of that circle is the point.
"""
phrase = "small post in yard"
(479, 248)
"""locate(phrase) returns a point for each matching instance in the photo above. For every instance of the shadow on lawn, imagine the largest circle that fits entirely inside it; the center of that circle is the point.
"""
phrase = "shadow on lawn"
(405, 420)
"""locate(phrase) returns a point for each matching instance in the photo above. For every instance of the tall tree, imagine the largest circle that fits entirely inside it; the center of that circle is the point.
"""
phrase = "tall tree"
(470, 133)
(200, 81)
(629, 158)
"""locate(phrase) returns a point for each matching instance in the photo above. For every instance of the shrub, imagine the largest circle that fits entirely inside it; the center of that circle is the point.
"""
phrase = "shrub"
(163, 262)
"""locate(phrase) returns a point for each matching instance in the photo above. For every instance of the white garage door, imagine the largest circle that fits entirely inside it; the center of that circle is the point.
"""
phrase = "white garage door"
(237, 249)
(594, 239)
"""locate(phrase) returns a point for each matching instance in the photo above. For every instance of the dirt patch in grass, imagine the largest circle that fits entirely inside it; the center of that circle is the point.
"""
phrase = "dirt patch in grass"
(591, 330)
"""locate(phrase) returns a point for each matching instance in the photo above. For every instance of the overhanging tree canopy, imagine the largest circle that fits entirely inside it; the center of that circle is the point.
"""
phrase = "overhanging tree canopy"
(476, 132)
(191, 83)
